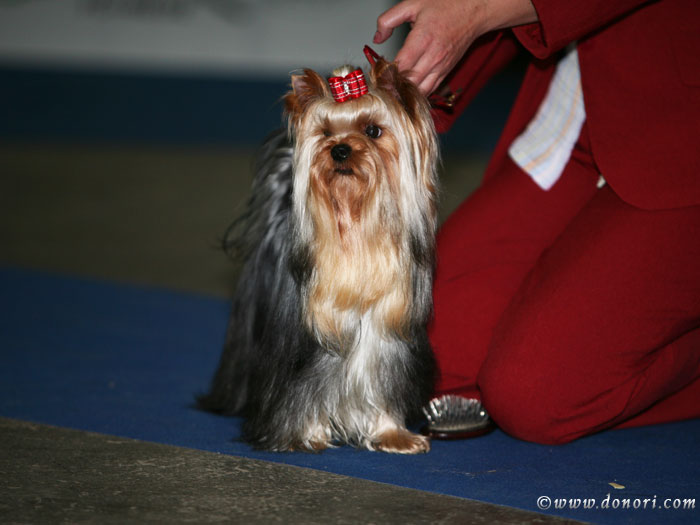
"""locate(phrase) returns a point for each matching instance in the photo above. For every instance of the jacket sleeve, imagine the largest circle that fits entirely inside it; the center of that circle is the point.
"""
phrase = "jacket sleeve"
(561, 22)
(486, 57)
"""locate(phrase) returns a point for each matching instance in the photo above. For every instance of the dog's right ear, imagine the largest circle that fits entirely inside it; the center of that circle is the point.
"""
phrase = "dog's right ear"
(306, 88)
(386, 76)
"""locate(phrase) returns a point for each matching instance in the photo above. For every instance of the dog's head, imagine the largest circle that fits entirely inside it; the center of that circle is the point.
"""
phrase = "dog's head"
(364, 158)
(364, 199)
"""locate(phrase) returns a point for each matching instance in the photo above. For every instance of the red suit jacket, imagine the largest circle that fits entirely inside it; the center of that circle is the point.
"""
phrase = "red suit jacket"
(640, 73)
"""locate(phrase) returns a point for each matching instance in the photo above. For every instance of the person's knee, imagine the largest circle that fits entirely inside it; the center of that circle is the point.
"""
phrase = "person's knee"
(525, 400)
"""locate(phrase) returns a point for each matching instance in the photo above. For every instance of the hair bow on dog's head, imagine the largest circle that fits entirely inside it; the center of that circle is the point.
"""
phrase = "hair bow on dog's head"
(350, 86)
(353, 84)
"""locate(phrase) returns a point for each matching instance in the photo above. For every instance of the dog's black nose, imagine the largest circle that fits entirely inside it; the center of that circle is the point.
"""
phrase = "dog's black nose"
(341, 152)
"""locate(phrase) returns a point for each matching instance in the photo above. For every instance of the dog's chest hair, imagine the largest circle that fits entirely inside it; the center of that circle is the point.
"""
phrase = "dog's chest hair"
(362, 370)
(362, 358)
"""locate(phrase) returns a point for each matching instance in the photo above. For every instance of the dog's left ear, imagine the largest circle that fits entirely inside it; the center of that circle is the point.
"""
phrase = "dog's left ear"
(306, 88)
(386, 76)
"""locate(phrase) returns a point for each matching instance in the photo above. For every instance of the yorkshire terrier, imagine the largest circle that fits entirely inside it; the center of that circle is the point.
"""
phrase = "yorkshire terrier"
(327, 340)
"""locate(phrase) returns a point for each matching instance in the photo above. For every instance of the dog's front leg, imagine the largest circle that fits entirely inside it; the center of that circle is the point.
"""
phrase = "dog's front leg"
(395, 438)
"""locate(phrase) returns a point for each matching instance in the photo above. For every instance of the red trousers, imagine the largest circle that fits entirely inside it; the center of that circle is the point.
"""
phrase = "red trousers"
(568, 311)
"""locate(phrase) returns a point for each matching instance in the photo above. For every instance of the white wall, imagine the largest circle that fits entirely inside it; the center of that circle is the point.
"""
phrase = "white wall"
(230, 37)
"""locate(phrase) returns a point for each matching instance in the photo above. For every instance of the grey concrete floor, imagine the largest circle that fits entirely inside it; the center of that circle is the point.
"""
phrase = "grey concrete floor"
(55, 475)
(153, 216)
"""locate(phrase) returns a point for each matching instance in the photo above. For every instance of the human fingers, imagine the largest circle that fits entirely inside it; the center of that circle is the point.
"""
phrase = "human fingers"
(413, 51)
(436, 62)
(441, 32)
(427, 58)
(392, 18)
(431, 82)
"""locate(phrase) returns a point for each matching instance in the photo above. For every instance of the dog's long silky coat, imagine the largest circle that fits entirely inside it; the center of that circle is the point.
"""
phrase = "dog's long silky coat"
(327, 339)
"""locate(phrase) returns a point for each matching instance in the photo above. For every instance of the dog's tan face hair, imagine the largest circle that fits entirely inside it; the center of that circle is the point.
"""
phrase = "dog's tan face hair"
(364, 184)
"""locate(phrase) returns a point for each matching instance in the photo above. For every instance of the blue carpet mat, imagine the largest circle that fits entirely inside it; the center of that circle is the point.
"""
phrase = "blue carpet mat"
(127, 361)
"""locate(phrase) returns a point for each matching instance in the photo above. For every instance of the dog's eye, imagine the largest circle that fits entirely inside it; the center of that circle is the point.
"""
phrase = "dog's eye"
(373, 132)
(326, 133)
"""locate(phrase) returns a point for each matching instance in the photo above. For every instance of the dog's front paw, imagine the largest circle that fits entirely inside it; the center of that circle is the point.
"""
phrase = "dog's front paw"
(316, 438)
(401, 441)
(309, 446)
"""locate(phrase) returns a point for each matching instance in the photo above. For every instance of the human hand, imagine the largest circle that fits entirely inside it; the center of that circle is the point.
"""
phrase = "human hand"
(442, 31)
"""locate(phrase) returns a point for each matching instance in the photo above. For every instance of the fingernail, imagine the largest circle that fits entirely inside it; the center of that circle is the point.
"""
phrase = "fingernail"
(376, 38)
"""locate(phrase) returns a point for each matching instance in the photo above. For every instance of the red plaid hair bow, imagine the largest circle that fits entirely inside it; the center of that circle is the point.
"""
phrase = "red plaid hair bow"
(350, 86)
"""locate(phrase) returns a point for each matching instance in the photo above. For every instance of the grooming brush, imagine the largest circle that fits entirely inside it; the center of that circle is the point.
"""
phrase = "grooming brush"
(456, 417)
